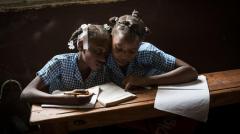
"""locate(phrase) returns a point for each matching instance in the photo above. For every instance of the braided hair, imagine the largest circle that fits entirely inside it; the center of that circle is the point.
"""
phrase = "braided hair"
(131, 26)
(98, 34)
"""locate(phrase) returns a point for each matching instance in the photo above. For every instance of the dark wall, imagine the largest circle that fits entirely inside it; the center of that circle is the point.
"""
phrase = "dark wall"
(202, 32)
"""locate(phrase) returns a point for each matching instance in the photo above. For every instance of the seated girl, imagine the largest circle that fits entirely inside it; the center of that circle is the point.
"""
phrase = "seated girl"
(72, 71)
(137, 63)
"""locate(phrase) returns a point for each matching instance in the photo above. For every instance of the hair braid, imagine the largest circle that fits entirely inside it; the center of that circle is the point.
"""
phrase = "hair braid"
(96, 35)
(75, 34)
(130, 24)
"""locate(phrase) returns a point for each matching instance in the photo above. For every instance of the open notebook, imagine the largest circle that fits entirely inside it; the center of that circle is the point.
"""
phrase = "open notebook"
(108, 94)
(111, 94)
(91, 104)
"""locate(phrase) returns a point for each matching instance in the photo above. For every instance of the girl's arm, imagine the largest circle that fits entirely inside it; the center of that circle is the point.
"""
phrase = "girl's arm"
(36, 92)
(182, 73)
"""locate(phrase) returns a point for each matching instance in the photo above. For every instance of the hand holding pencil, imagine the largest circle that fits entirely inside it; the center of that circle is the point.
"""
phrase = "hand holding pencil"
(76, 97)
(77, 92)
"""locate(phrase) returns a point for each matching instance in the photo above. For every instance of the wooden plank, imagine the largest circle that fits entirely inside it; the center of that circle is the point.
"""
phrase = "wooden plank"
(223, 80)
(46, 114)
(115, 116)
(225, 97)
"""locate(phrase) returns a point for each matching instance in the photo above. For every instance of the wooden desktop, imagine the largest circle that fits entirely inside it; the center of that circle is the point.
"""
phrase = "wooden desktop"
(224, 89)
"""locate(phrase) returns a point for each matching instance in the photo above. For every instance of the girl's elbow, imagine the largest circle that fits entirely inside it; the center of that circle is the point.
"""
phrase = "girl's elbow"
(190, 72)
(24, 95)
(193, 73)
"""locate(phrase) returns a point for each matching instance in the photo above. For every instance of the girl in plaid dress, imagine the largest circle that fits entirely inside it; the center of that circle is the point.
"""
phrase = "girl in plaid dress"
(136, 63)
(73, 71)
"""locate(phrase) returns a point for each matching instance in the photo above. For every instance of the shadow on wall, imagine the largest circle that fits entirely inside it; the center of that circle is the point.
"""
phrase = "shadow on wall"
(202, 33)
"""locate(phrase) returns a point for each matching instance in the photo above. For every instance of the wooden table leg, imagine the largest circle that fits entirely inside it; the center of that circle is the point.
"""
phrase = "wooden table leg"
(54, 128)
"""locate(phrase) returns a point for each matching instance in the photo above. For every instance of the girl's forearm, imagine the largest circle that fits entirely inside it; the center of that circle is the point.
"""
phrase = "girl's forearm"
(36, 96)
(179, 75)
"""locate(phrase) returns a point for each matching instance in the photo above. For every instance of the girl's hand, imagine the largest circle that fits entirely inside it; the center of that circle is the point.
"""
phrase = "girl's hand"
(78, 96)
(76, 92)
(79, 99)
(74, 97)
(134, 81)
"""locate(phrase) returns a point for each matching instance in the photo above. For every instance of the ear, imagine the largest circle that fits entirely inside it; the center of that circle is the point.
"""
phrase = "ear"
(80, 45)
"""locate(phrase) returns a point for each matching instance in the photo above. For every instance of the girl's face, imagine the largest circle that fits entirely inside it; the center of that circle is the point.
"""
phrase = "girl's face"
(124, 51)
(95, 56)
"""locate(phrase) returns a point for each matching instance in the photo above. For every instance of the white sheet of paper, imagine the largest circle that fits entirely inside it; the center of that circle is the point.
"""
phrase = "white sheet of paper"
(189, 99)
(91, 104)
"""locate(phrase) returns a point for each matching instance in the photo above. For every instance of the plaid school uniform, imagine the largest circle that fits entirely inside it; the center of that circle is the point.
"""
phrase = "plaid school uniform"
(149, 61)
(62, 73)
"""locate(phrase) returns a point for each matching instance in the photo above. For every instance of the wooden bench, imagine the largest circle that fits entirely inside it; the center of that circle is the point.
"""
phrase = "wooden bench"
(224, 89)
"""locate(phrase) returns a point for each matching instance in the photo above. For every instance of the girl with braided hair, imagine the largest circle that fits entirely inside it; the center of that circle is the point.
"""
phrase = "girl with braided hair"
(73, 72)
(136, 63)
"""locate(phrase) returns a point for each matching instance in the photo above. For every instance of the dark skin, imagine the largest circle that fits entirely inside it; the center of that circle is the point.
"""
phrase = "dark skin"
(37, 92)
(125, 51)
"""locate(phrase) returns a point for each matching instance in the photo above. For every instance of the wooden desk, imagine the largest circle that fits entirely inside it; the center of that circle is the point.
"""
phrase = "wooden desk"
(224, 90)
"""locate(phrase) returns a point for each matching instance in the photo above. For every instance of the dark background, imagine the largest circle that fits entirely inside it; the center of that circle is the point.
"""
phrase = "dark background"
(200, 32)
(204, 33)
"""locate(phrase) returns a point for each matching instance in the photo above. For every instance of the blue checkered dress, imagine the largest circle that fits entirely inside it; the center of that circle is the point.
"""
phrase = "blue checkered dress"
(62, 73)
(149, 61)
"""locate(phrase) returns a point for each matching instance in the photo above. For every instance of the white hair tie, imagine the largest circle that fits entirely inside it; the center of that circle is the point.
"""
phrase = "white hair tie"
(70, 45)
(84, 36)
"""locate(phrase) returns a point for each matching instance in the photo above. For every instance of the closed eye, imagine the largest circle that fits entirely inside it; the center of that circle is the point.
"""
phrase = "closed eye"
(99, 51)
